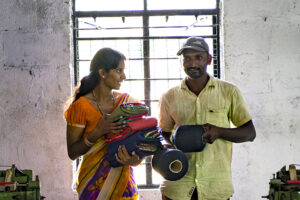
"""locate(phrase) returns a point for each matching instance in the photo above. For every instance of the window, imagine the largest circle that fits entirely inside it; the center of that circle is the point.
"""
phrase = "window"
(149, 33)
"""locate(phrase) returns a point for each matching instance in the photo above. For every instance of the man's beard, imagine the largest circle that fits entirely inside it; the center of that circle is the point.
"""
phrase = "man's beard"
(194, 72)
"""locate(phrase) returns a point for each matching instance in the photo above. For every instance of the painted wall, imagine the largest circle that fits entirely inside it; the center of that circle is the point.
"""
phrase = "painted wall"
(34, 84)
(261, 56)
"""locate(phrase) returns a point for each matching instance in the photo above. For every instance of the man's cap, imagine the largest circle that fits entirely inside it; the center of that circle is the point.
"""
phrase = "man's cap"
(196, 43)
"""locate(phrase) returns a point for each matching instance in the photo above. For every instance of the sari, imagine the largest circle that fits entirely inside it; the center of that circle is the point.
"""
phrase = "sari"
(96, 179)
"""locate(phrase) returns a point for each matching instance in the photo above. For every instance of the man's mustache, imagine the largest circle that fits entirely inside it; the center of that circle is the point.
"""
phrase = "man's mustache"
(194, 68)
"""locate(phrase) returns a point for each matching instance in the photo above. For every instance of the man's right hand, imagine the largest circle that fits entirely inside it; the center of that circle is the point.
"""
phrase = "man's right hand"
(167, 136)
(169, 146)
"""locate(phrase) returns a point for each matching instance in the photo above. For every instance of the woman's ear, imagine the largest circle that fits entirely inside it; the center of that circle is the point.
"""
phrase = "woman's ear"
(101, 73)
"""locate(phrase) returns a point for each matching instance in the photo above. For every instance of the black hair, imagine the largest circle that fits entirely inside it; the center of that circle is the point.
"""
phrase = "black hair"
(105, 58)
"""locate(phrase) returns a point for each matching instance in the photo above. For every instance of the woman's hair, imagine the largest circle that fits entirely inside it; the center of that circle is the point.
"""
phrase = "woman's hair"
(105, 58)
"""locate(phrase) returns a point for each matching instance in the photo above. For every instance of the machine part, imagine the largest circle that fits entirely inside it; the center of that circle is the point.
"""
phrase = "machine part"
(8, 175)
(16, 184)
(293, 172)
(285, 184)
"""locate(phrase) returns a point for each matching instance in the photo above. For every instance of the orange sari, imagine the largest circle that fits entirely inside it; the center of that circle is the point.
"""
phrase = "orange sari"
(96, 180)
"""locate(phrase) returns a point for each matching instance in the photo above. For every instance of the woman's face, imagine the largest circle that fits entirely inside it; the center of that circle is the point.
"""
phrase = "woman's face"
(115, 77)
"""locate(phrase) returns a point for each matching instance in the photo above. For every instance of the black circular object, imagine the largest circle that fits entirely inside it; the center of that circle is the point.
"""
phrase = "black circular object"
(189, 138)
(172, 164)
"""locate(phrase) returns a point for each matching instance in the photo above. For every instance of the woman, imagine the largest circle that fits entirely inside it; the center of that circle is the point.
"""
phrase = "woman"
(88, 121)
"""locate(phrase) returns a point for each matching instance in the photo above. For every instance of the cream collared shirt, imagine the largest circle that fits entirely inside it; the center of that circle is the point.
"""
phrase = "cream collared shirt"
(219, 103)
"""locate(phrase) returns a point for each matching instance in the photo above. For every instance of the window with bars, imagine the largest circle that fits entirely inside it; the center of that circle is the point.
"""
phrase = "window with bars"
(149, 33)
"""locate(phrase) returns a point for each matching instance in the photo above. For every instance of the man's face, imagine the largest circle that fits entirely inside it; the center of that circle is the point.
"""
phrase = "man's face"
(195, 62)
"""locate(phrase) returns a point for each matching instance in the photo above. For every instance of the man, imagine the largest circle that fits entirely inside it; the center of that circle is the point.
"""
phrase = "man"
(215, 104)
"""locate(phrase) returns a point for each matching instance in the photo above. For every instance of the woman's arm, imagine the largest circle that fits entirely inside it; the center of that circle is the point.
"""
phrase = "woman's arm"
(75, 140)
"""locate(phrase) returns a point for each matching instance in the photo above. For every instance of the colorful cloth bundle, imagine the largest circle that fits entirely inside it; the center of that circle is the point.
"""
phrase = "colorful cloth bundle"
(132, 114)
(132, 126)
(144, 143)
(130, 110)
(141, 134)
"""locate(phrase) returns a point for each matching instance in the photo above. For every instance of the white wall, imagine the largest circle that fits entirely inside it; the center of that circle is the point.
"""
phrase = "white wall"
(261, 56)
(34, 83)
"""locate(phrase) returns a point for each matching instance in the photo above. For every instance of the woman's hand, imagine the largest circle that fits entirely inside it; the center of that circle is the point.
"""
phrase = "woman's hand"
(110, 125)
(124, 158)
(106, 125)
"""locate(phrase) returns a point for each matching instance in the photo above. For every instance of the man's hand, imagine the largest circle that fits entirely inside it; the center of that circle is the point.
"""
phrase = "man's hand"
(244, 133)
(168, 144)
(211, 133)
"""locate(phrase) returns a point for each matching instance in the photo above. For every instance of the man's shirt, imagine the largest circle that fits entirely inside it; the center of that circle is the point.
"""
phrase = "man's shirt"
(220, 104)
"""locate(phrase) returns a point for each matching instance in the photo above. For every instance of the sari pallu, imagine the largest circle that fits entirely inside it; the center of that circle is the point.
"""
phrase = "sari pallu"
(97, 180)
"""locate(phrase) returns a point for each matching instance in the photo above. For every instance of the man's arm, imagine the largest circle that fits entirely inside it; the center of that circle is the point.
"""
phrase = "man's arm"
(244, 133)
(167, 136)
(166, 122)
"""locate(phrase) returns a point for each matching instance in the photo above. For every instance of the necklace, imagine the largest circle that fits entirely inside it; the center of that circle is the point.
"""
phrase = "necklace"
(99, 107)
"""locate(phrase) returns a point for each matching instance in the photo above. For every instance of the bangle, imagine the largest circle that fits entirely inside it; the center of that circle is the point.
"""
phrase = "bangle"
(87, 142)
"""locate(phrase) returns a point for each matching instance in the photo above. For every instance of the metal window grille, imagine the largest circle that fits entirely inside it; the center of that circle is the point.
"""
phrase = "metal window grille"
(150, 38)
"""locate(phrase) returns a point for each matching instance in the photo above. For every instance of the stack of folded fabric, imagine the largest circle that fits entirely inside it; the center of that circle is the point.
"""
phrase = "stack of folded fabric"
(140, 135)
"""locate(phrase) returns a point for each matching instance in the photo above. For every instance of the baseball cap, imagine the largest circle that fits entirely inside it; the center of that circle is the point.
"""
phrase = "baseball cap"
(196, 43)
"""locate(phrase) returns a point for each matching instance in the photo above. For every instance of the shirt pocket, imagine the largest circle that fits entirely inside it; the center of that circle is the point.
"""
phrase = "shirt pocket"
(217, 116)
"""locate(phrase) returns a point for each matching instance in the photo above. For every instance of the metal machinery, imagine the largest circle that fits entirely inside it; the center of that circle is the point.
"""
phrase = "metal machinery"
(285, 184)
(16, 184)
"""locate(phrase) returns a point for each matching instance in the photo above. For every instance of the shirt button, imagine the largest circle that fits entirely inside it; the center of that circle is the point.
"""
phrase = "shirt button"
(197, 165)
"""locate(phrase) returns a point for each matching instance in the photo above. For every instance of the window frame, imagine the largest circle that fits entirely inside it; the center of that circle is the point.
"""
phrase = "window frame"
(145, 14)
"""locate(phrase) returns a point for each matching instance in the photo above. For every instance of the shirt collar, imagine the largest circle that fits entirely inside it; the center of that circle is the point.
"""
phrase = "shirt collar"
(211, 83)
